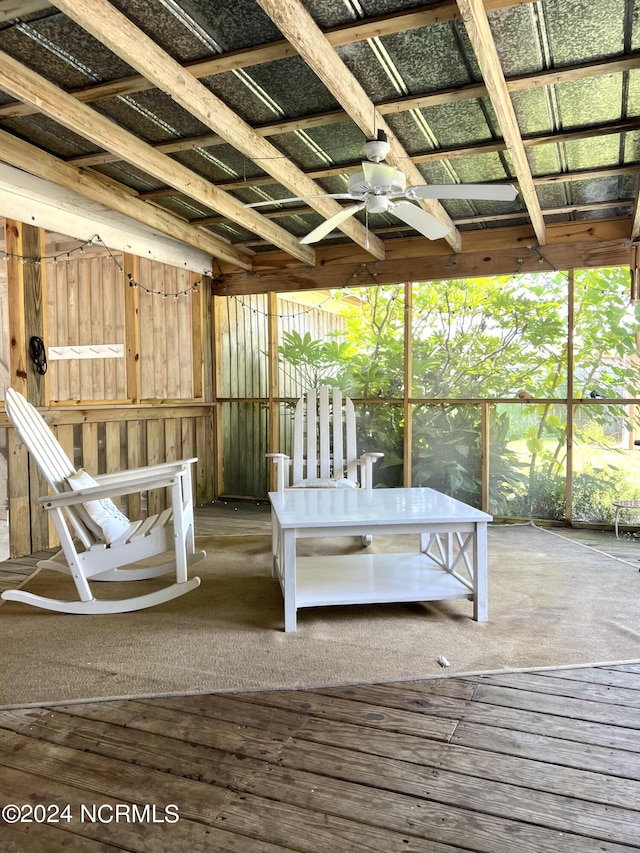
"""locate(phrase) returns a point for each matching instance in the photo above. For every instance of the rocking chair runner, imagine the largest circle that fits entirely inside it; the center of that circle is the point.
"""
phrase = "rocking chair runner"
(81, 510)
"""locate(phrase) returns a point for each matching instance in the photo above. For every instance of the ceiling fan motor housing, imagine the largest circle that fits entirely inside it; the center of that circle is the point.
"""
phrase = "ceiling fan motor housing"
(359, 187)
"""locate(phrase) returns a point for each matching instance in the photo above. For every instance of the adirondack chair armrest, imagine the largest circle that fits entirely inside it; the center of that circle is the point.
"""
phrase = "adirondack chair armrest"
(366, 462)
(177, 467)
(125, 486)
(283, 462)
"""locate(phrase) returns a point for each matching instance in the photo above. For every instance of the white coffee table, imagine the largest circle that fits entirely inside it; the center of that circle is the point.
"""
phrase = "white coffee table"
(451, 563)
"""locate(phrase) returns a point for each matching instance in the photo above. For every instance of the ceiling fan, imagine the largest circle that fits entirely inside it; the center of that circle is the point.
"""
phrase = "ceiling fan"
(380, 188)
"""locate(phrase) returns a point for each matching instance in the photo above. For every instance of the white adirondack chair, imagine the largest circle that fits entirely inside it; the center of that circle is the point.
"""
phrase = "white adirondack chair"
(97, 541)
(324, 446)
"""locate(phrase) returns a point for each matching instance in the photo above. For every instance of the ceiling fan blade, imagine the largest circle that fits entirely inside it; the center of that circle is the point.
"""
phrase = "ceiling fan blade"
(487, 192)
(419, 219)
(297, 198)
(378, 174)
(331, 223)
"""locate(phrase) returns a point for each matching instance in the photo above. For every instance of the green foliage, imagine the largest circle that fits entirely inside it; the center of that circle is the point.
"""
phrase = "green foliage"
(484, 338)
(318, 362)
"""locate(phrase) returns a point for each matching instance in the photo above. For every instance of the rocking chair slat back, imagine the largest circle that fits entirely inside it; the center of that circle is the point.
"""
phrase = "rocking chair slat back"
(51, 459)
(39, 440)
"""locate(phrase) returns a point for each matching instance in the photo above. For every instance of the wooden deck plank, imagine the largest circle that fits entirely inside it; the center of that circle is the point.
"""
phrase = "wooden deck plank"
(538, 721)
(424, 766)
(104, 777)
(18, 838)
(292, 708)
(192, 729)
(240, 752)
(223, 768)
(573, 688)
(419, 824)
(596, 675)
(350, 710)
(561, 706)
(553, 750)
(135, 836)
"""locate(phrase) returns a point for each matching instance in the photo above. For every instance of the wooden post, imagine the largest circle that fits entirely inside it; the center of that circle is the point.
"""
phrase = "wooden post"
(199, 345)
(568, 511)
(408, 373)
(24, 245)
(273, 441)
(485, 442)
(204, 481)
(218, 427)
(132, 327)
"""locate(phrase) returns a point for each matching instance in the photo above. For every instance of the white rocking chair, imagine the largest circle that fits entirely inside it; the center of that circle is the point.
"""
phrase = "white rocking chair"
(324, 447)
(80, 509)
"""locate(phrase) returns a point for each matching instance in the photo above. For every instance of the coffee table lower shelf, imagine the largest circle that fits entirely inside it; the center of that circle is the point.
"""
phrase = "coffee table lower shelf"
(374, 579)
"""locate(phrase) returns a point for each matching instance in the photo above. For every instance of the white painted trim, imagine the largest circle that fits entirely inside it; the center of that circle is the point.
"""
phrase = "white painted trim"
(32, 200)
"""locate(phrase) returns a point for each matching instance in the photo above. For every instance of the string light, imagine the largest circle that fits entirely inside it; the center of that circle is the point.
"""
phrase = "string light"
(96, 239)
(362, 270)
(352, 278)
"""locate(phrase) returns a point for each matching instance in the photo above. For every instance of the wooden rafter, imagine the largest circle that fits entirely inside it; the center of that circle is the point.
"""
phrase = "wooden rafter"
(120, 35)
(10, 9)
(293, 20)
(31, 159)
(23, 83)
(518, 83)
(476, 23)
(382, 25)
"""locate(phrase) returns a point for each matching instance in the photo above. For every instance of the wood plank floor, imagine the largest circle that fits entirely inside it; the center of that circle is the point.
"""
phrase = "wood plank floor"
(538, 762)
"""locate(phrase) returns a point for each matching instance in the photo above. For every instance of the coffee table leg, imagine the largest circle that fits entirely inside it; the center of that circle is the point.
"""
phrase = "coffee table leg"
(480, 584)
(289, 578)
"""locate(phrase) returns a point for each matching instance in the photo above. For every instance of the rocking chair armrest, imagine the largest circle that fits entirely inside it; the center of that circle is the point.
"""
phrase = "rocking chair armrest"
(372, 455)
(277, 456)
(176, 467)
(158, 480)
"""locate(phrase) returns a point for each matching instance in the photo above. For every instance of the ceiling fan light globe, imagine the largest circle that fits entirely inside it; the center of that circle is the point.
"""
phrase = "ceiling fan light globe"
(359, 186)
(378, 204)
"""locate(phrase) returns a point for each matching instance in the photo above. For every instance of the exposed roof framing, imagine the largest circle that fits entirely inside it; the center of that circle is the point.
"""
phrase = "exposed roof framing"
(475, 20)
(178, 113)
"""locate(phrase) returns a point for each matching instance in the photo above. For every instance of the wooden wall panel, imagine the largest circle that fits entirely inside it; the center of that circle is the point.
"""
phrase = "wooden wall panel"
(85, 306)
(166, 337)
(88, 301)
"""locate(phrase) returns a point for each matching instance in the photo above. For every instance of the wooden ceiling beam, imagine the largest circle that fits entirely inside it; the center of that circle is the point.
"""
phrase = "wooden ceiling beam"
(33, 160)
(11, 9)
(475, 19)
(25, 84)
(300, 30)
(105, 23)
(494, 251)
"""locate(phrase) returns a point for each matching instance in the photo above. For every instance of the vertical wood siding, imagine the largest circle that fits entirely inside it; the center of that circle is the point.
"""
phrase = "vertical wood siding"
(85, 305)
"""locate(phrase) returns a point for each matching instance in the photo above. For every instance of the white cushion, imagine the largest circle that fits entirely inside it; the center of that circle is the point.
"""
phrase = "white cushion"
(325, 483)
(103, 517)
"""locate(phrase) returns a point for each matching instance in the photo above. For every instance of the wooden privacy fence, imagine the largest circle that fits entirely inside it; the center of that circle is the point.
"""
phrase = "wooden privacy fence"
(101, 440)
